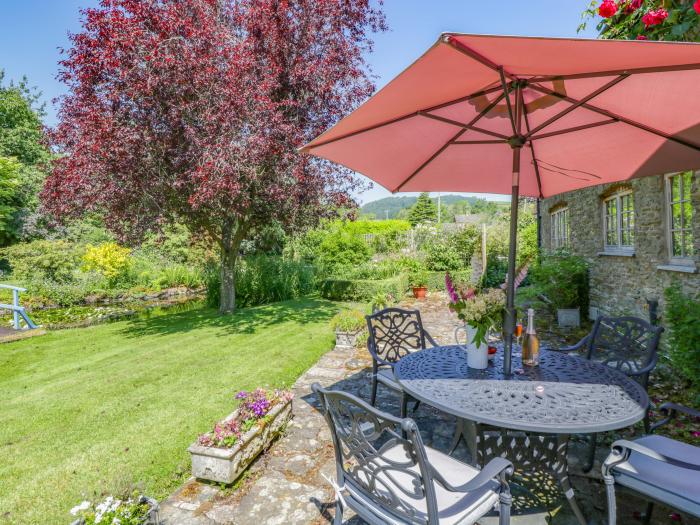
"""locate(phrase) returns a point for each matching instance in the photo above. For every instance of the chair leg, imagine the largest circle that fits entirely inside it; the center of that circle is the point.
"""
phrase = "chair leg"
(338, 519)
(610, 492)
(404, 404)
(647, 423)
(373, 398)
(504, 508)
(415, 407)
(648, 513)
(593, 443)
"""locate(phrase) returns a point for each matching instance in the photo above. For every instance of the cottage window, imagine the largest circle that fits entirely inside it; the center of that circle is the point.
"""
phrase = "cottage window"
(559, 221)
(618, 215)
(679, 219)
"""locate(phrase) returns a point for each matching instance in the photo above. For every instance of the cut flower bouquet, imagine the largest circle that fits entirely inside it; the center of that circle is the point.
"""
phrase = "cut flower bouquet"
(482, 311)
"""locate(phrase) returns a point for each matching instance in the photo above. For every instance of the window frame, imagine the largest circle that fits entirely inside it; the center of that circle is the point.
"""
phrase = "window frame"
(677, 260)
(555, 220)
(618, 248)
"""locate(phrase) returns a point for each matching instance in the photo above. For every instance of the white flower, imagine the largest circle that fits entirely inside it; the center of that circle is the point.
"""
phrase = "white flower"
(116, 521)
(83, 506)
(115, 505)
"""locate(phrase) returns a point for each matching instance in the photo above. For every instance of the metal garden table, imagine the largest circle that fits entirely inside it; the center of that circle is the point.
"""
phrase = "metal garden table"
(544, 405)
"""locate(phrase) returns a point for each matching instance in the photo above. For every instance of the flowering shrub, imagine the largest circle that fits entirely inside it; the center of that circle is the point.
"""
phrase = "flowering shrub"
(133, 511)
(108, 259)
(253, 409)
(482, 311)
(647, 19)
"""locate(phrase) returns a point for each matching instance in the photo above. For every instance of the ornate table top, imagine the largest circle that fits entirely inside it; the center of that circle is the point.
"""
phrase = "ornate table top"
(565, 394)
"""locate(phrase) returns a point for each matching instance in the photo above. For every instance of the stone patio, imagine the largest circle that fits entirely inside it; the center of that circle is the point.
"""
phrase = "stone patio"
(288, 485)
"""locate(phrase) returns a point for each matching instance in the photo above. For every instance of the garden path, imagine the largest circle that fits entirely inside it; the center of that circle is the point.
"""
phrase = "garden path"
(287, 484)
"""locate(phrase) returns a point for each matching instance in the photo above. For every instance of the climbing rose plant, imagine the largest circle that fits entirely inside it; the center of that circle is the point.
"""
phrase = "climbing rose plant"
(677, 20)
(192, 111)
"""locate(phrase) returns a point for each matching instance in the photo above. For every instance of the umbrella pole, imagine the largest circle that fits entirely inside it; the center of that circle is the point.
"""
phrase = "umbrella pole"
(509, 321)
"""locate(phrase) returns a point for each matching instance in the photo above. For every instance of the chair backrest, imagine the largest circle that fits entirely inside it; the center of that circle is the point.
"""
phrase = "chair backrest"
(380, 457)
(628, 344)
(394, 333)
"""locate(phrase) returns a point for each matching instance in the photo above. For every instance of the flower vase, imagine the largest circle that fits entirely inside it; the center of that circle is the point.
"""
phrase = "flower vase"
(477, 354)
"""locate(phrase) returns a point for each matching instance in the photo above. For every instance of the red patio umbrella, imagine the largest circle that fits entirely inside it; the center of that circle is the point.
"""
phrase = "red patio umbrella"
(578, 112)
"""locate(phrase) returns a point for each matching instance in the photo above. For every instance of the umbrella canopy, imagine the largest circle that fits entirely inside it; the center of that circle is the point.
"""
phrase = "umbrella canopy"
(525, 116)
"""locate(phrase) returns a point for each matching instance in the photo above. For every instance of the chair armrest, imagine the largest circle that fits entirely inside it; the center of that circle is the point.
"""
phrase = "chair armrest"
(498, 469)
(622, 449)
(430, 338)
(375, 357)
(574, 348)
(642, 371)
(671, 410)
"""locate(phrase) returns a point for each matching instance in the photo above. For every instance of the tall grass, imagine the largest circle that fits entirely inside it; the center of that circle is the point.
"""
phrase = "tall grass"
(263, 279)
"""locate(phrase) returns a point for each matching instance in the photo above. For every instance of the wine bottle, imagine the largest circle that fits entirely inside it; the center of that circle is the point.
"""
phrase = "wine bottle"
(531, 344)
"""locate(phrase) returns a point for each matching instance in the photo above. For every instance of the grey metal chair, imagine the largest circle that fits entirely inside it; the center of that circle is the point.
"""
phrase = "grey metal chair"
(659, 468)
(387, 476)
(628, 344)
(393, 333)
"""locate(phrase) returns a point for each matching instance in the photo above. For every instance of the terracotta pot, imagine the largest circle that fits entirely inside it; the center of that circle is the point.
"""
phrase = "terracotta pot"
(419, 292)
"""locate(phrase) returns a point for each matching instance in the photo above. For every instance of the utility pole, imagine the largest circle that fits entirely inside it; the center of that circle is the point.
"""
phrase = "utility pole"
(386, 215)
(439, 209)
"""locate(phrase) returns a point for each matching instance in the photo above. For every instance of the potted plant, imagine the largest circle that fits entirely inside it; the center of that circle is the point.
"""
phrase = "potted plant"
(380, 301)
(418, 281)
(480, 313)
(136, 509)
(348, 326)
(223, 454)
(563, 280)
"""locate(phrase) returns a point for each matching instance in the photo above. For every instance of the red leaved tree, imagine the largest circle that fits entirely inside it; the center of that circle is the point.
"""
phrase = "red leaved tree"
(192, 110)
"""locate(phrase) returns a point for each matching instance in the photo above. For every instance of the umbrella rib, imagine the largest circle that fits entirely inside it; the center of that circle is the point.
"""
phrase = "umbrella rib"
(506, 92)
(466, 50)
(495, 141)
(407, 116)
(465, 127)
(431, 159)
(613, 115)
(631, 71)
(579, 103)
(575, 128)
(532, 152)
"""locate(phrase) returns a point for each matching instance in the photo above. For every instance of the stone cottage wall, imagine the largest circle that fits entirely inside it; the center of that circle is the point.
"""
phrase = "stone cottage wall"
(621, 285)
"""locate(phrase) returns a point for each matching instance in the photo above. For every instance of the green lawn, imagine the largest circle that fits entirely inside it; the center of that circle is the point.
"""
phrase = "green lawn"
(101, 409)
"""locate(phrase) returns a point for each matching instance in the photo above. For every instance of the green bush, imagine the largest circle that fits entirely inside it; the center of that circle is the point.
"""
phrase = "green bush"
(681, 314)
(348, 321)
(363, 290)
(44, 259)
(343, 250)
(263, 279)
(563, 279)
(441, 254)
(43, 291)
(436, 280)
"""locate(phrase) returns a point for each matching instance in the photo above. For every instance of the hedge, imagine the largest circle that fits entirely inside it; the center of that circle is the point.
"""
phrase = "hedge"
(362, 289)
(436, 280)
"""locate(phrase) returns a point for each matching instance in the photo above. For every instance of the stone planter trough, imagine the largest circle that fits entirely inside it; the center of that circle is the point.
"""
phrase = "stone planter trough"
(225, 465)
(346, 339)
(569, 317)
(152, 518)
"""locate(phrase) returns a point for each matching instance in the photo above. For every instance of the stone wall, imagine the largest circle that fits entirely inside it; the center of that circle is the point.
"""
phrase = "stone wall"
(622, 284)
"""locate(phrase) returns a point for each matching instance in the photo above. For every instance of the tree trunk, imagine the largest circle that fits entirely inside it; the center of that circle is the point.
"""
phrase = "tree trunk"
(231, 237)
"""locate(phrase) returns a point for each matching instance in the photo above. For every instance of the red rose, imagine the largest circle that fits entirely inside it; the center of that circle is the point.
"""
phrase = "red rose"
(696, 6)
(642, 37)
(655, 17)
(633, 5)
(607, 9)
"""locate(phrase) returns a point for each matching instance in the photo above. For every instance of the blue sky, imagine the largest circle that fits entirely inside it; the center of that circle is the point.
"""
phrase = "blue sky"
(34, 30)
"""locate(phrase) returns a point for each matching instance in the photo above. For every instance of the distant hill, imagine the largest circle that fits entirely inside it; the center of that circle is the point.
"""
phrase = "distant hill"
(393, 205)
